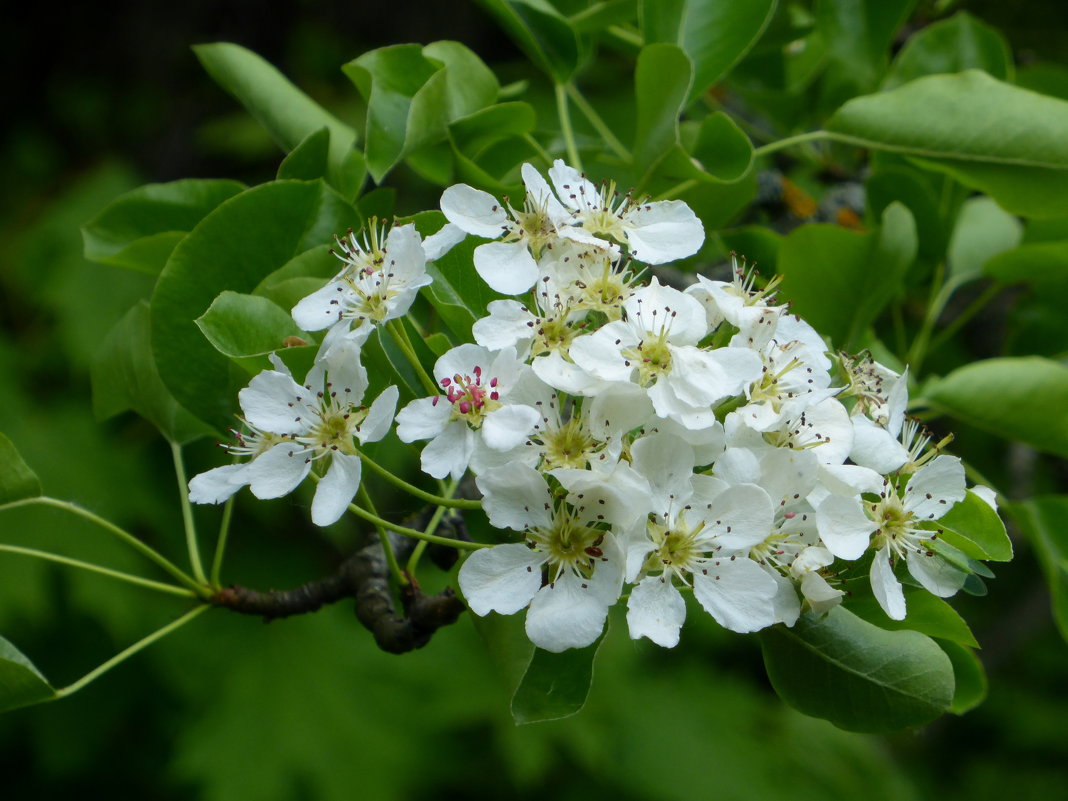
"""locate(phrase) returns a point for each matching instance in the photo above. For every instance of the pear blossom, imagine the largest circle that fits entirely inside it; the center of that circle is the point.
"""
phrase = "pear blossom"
(293, 428)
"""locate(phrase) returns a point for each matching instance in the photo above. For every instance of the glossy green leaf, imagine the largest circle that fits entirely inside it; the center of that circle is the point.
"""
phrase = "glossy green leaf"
(235, 247)
(970, 685)
(1039, 263)
(974, 528)
(125, 377)
(473, 133)
(926, 613)
(857, 35)
(1016, 398)
(959, 43)
(662, 82)
(288, 115)
(715, 34)
(989, 135)
(308, 160)
(983, 230)
(907, 185)
(840, 280)
(21, 684)
(555, 685)
(246, 325)
(541, 32)
(139, 229)
(17, 480)
(508, 646)
(412, 93)
(603, 14)
(1042, 519)
(715, 150)
(858, 676)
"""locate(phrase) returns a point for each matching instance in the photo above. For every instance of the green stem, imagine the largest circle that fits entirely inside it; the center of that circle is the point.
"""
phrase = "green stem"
(133, 649)
(220, 544)
(412, 532)
(104, 571)
(790, 141)
(400, 336)
(565, 126)
(383, 538)
(187, 516)
(961, 319)
(435, 519)
(541, 151)
(124, 536)
(454, 503)
(940, 295)
(591, 115)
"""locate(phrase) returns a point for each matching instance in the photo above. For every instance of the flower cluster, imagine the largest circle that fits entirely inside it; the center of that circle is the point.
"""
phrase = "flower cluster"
(640, 440)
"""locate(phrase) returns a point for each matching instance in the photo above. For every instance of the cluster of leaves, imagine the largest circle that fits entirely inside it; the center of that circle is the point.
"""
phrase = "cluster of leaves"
(677, 94)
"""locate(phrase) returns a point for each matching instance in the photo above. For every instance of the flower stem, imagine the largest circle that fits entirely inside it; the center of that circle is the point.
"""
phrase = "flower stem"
(790, 141)
(411, 532)
(961, 319)
(435, 519)
(105, 571)
(677, 189)
(383, 538)
(400, 336)
(220, 544)
(455, 503)
(536, 146)
(187, 516)
(133, 649)
(125, 536)
(591, 115)
(565, 126)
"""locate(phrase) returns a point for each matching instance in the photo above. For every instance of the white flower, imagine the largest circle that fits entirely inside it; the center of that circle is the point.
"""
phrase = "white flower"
(292, 427)
(473, 412)
(582, 563)
(380, 280)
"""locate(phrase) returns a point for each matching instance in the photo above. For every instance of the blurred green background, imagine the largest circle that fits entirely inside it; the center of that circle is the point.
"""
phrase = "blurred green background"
(110, 97)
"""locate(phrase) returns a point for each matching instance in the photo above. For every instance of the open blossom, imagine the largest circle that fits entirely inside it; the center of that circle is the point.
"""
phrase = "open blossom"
(292, 428)
(473, 412)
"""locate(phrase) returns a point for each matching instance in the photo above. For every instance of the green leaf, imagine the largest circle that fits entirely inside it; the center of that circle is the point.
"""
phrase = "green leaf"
(970, 685)
(246, 325)
(1039, 263)
(235, 247)
(412, 93)
(857, 35)
(508, 646)
(715, 35)
(840, 280)
(983, 230)
(139, 229)
(17, 480)
(927, 614)
(309, 160)
(125, 377)
(288, 115)
(715, 150)
(555, 685)
(1017, 398)
(989, 135)
(1042, 519)
(858, 676)
(21, 684)
(473, 133)
(662, 82)
(959, 43)
(541, 32)
(911, 187)
(974, 528)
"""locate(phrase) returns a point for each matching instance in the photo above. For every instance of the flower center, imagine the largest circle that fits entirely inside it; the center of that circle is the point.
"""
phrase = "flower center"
(652, 357)
(567, 446)
(470, 399)
(570, 545)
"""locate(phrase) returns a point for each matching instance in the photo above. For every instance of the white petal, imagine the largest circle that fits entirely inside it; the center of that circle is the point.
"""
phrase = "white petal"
(501, 579)
(216, 486)
(886, 587)
(539, 192)
(666, 462)
(821, 596)
(565, 615)
(506, 325)
(843, 526)
(656, 610)
(849, 479)
(665, 231)
(437, 245)
(321, 309)
(509, 426)
(379, 416)
(875, 447)
(507, 267)
(278, 471)
(334, 493)
(449, 453)
(473, 211)
(741, 516)
(423, 418)
(575, 191)
(935, 574)
(275, 402)
(987, 495)
(935, 488)
(516, 497)
(739, 594)
(786, 603)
